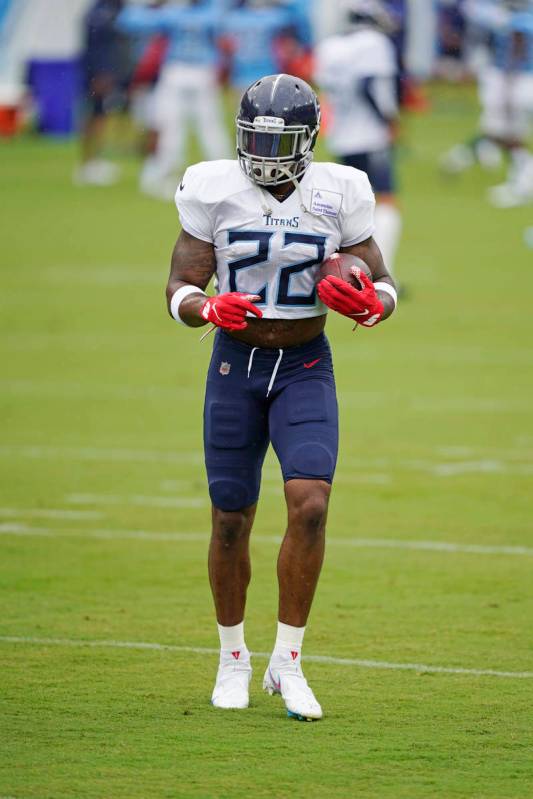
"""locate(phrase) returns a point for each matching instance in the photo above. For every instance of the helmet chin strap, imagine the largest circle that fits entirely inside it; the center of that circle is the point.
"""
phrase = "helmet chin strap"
(296, 183)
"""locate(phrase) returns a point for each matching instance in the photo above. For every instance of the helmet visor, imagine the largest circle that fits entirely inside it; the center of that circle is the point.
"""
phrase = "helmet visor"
(270, 145)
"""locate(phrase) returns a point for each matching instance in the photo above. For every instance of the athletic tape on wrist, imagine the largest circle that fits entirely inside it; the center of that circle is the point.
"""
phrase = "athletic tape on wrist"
(179, 296)
(388, 289)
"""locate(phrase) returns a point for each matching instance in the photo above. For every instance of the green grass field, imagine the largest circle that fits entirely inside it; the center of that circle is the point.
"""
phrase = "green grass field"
(105, 519)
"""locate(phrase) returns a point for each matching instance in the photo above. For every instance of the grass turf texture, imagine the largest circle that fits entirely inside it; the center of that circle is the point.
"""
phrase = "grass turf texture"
(101, 396)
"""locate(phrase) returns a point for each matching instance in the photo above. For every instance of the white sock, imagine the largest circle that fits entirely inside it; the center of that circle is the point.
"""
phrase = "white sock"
(520, 156)
(231, 638)
(388, 222)
(289, 638)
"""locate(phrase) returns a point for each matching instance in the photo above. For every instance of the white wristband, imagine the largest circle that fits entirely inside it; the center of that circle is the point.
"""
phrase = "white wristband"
(179, 296)
(388, 289)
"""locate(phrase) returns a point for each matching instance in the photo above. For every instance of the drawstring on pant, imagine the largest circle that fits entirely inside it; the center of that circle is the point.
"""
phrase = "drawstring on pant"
(250, 362)
(274, 371)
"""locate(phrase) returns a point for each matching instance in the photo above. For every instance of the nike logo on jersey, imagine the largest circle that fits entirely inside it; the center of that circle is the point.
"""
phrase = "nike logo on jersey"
(182, 186)
(311, 363)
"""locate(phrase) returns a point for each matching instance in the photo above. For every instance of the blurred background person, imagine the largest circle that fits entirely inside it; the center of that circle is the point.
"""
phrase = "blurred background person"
(358, 72)
(294, 46)
(502, 35)
(509, 102)
(105, 66)
(452, 38)
(151, 56)
(142, 90)
(261, 37)
(186, 92)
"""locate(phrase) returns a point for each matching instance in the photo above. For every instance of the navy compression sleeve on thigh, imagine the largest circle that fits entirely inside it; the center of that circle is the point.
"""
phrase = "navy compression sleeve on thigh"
(304, 429)
(235, 429)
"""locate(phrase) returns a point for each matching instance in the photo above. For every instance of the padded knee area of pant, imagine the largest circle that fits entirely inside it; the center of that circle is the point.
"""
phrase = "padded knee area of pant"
(312, 460)
(231, 495)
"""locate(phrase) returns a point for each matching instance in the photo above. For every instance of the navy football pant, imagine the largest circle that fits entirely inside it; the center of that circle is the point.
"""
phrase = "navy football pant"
(378, 165)
(255, 396)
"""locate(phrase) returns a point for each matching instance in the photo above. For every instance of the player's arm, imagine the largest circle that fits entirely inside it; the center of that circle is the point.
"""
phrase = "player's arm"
(192, 267)
(193, 264)
(370, 253)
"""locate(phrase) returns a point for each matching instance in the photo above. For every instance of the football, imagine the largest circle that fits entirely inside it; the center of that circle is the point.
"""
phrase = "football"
(340, 265)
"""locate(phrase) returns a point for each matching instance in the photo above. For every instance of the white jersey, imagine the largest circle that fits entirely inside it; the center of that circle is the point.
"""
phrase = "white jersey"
(359, 115)
(273, 248)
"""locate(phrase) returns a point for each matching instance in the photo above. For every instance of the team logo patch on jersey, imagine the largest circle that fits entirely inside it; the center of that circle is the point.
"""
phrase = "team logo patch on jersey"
(326, 203)
(225, 368)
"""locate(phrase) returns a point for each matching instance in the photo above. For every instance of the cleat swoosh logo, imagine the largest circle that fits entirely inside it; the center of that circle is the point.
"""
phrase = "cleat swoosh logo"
(311, 363)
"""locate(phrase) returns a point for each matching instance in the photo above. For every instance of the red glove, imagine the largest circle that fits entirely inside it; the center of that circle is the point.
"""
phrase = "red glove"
(229, 310)
(363, 306)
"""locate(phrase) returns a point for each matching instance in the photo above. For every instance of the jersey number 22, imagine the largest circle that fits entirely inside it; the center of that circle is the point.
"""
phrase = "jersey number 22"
(263, 239)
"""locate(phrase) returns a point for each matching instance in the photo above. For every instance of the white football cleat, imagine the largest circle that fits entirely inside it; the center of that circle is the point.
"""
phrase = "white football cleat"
(510, 195)
(284, 676)
(231, 691)
(96, 173)
(457, 160)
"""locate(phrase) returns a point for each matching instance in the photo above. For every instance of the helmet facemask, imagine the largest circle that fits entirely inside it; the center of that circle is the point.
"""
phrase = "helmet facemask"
(272, 153)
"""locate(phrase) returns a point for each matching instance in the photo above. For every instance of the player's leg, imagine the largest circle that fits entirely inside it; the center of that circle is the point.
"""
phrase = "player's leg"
(379, 166)
(304, 432)
(159, 174)
(94, 170)
(302, 550)
(229, 562)
(208, 115)
(235, 441)
(388, 223)
(485, 147)
(518, 187)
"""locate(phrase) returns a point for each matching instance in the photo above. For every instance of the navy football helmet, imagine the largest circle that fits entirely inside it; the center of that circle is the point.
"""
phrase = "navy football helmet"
(277, 126)
(371, 12)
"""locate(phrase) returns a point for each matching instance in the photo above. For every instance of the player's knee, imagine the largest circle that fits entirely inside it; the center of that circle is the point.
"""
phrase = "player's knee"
(308, 510)
(230, 528)
(312, 516)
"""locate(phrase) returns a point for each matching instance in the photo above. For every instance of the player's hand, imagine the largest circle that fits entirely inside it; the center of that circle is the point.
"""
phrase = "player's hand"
(229, 310)
(363, 306)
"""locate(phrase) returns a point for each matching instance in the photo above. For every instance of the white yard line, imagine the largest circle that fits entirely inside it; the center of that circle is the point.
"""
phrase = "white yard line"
(106, 535)
(514, 462)
(141, 500)
(361, 543)
(103, 454)
(49, 513)
(326, 659)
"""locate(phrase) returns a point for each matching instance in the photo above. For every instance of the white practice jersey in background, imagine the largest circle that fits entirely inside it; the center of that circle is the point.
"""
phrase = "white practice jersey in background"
(276, 254)
(343, 64)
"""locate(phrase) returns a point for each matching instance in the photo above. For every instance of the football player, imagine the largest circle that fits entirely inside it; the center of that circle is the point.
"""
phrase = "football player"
(509, 102)
(358, 73)
(263, 224)
(506, 96)
(251, 30)
(187, 89)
